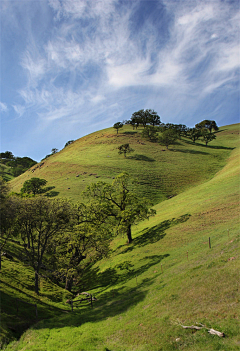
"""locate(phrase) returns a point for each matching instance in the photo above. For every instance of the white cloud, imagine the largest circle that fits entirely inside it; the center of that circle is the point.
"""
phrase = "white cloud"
(3, 107)
(85, 67)
(19, 109)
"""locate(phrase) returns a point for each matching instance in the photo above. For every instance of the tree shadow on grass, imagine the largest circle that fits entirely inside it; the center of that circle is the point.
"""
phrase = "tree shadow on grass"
(191, 152)
(141, 158)
(112, 302)
(153, 234)
(209, 146)
(52, 193)
(130, 133)
(120, 273)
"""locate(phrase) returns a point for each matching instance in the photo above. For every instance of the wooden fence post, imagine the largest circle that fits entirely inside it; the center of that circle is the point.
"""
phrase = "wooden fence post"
(209, 242)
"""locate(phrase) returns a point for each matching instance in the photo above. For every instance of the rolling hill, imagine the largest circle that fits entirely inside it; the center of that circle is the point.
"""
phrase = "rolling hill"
(169, 276)
(161, 173)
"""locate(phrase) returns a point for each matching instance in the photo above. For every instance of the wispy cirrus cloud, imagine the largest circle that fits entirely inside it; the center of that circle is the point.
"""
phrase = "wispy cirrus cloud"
(3, 107)
(101, 60)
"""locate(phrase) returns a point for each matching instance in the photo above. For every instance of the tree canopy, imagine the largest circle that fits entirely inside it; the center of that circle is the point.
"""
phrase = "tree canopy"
(207, 124)
(120, 206)
(124, 149)
(168, 137)
(118, 125)
(39, 221)
(33, 186)
(145, 117)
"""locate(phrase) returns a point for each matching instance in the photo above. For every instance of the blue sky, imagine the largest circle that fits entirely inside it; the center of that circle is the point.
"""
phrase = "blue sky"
(69, 68)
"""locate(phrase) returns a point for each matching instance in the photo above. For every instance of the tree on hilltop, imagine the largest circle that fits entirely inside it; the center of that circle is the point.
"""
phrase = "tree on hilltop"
(153, 117)
(207, 124)
(68, 143)
(118, 125)
(54, 151)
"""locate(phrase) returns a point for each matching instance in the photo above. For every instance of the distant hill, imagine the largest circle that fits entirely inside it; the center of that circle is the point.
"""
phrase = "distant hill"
(161, 173)
(12, 166)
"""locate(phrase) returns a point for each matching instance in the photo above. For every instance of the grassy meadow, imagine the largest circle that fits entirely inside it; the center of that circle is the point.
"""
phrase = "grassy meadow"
(168, 276)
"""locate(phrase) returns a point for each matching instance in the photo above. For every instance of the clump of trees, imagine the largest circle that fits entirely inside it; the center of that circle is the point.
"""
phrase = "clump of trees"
(144, 118)
(167, 134)
(64, 238)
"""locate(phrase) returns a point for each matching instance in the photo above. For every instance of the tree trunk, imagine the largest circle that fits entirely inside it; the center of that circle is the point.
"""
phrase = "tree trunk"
(129, 234)
(68, 283)
(36, 283)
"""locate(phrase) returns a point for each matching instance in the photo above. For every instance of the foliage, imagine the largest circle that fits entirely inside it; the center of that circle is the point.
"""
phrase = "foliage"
(18, 165)
(118, 125)
(8, 213)
(145, 117)
(207, 137)
(118, 204)
(194, 134)
(54, 151)
(168, 137)
(6, 220)
(153, 118)
(125, 149)
(39, 220)
(69, 143)
(33, 186)
(75, 249)
(150, 133)
(8, 155)
(207, 124)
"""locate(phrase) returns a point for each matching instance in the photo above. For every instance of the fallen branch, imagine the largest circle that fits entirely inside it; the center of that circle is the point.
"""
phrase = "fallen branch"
(215, 332)
(191, 327)
(210, 331)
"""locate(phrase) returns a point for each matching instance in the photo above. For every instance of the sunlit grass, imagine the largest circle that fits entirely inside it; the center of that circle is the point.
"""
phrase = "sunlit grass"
(161, 173)
(167, 274)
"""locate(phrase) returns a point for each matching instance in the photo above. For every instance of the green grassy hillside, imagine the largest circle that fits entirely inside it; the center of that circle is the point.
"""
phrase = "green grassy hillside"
(168, 275)
(161, 173)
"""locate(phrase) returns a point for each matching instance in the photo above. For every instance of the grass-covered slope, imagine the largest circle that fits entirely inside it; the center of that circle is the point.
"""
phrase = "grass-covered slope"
(161, 173)
(18, 299)
(166, 277)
